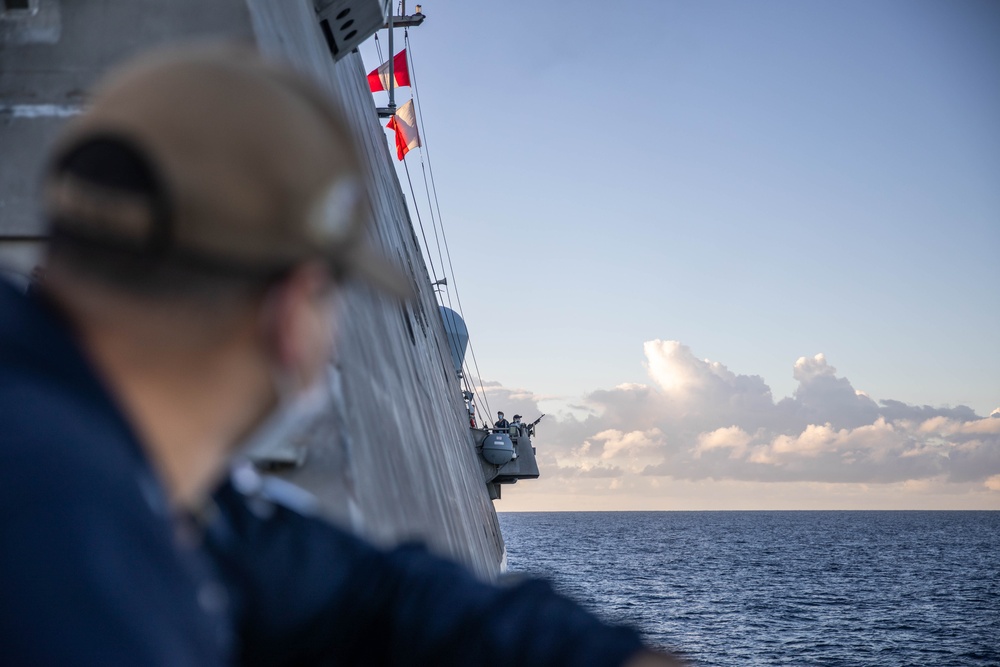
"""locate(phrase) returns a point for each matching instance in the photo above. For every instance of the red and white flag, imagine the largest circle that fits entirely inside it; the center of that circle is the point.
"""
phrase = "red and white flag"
(378, 78)
(405, 125)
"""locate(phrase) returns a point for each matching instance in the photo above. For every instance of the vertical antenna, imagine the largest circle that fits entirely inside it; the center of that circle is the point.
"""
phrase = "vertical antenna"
(392, 59)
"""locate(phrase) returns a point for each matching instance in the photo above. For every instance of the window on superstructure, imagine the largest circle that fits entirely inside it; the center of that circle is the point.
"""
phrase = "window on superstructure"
(18, 5)
(409, 326)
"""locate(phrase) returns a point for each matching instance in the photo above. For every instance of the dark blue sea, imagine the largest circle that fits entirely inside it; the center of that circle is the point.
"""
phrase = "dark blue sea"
(780, 588)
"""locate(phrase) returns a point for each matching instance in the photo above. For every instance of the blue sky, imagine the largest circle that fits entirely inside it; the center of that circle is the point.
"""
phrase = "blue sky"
(759, 181)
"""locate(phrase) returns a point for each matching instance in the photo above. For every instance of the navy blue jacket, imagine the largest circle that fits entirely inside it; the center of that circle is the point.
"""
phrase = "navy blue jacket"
(95, 570)
(91, 568)
(306, 592)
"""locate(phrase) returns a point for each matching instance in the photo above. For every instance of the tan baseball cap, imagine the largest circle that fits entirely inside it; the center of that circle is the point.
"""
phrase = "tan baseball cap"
(255, 168)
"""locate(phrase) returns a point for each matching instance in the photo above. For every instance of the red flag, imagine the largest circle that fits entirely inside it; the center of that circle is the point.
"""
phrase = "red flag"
(378, 78)
(404, 123)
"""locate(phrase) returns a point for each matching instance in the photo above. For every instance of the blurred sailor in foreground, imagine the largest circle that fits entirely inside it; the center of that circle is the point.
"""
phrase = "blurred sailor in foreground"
(203, 213)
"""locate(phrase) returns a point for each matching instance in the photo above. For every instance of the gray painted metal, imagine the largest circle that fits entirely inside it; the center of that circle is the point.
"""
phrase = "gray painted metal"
(525, 466)
(43, 80)
(347, 23)
(505, 470)
(497, 449)
(395, 458)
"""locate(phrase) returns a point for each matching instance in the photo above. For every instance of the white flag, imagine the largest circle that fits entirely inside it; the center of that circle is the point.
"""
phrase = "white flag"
(405, 125)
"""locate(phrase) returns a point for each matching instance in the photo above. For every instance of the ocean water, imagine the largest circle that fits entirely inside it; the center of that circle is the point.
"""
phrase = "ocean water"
(780, 588)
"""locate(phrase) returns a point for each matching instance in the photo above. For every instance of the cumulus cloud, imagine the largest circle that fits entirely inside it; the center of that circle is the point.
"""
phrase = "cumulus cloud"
(697, 420)
(494, 397)
(822, 397)
(732, 438)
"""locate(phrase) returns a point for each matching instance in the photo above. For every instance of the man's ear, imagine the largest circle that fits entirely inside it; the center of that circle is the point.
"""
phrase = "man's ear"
(295, 321)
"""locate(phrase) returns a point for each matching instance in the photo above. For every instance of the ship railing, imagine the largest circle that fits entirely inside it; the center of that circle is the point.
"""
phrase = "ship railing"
(513, 431)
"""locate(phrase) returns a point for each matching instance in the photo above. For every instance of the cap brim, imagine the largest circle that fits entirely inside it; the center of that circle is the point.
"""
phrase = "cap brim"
(367, 266)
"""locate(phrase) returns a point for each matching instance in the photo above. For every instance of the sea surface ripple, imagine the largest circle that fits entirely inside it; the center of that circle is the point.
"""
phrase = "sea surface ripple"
(780, 588)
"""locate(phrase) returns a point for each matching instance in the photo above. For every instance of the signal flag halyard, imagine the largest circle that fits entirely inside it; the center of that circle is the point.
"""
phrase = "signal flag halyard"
(378, 78)
(405, 125)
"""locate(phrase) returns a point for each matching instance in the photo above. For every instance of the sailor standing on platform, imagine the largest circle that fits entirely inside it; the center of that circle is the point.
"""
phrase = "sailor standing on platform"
(515, 427)
(501, 423)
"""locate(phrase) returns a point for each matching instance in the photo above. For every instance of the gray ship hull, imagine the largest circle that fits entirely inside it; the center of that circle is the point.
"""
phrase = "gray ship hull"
(395, 459)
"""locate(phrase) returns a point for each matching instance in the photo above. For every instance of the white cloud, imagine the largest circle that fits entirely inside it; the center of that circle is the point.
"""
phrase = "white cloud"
(946, 426)
(700, 421)
(732, 438)
(807, 369)
(671, 365)
(610, 450)
(633, 443)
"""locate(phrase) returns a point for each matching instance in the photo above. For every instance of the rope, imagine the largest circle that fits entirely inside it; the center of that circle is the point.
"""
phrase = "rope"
(434, 225)
(378, 49)
(480, 396)
(430, 167)
(420, 124)
(481, 399)
(447, 293)
(416, 209)
(452, 315)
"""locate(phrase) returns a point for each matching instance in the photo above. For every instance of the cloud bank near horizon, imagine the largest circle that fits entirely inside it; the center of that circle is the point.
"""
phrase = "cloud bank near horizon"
(697, 420)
